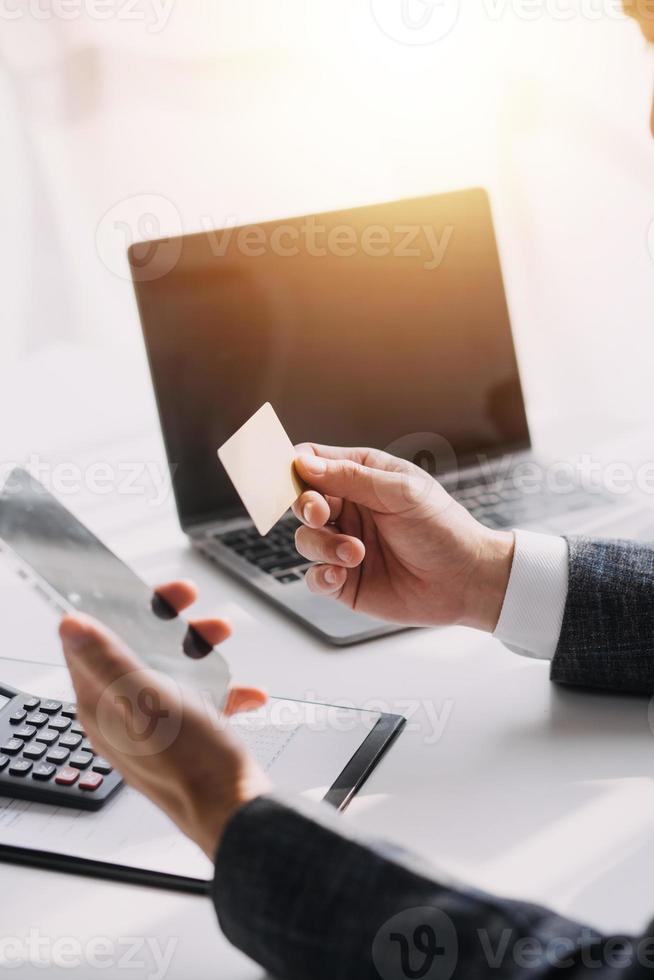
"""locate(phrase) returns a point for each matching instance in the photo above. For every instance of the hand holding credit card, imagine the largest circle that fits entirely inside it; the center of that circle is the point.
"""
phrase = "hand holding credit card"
(259, 461)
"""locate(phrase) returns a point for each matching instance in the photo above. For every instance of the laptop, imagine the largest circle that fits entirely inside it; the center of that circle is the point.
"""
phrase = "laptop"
(383, 326)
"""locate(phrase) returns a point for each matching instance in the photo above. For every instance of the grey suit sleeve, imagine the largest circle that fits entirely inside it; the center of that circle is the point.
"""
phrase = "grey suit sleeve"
(607, 634)
(300, 894)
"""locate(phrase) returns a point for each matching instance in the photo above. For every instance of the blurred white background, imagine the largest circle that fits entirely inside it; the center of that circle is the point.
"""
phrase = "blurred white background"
(208, 111)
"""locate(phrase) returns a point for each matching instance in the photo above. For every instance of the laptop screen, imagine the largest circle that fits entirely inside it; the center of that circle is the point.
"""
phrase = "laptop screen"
(383, 326)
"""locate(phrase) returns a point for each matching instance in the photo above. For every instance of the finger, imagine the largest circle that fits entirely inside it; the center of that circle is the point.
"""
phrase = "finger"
(358, 454)
(244, 699)
(378, 489)
(178, 595)
(311, 508)
(327, 546)
(326, 580)
(315, 510)
(212, 631)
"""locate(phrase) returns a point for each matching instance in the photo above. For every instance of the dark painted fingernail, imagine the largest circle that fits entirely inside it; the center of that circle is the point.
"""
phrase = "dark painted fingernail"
(195, 646)
(162, 608)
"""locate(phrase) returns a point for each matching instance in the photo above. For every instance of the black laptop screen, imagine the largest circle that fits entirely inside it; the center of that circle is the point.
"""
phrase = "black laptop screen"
(367, 327)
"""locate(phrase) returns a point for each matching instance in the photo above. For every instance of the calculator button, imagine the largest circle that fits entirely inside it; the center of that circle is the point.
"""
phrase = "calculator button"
(31, 703)
(57, 755)
(33, 751)
(43, 771)
(67, 776)
(81, 760)
(13, 746)
(70, 740)
(50, 707)
(77, 729)
(19, 767)
(69, 710)
(38, 719)
(4, 759)
(47, 736)
(86, 746)
(17, 717)
(25, 731)
(101, 765)
(60, 724)
(91, 781)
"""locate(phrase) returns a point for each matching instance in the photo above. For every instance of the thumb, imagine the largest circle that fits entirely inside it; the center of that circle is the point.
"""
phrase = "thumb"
(380, 490)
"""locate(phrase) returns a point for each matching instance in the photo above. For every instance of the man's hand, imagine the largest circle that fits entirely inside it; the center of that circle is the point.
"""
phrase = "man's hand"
(392, 543)
(643, 12)
(163, 740)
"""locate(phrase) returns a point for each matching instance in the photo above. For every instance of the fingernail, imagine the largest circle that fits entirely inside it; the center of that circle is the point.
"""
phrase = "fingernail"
(344, 552)
(162, 609)
(331, 578)
(313, 465)
(195, 646)
(306, 513)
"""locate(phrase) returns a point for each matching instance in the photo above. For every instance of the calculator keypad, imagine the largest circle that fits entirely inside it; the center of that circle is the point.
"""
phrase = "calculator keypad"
(20, 767)
(44, 770)
(45, 755)
(25, 731)
(48, 737)
(67, 776)
(13, 746)
(50, 707)
(70, 740)
(59, 724)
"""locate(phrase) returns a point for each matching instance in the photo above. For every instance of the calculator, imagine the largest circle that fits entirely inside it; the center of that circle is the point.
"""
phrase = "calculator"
(45, 755)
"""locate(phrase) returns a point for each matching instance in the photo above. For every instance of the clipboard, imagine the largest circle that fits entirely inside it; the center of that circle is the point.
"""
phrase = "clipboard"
(339, 795)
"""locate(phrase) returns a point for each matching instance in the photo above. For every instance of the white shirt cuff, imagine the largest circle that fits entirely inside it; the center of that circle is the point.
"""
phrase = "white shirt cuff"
(532, 612)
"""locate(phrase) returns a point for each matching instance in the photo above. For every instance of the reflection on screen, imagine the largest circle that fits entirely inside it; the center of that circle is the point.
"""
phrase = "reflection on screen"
(361, 327)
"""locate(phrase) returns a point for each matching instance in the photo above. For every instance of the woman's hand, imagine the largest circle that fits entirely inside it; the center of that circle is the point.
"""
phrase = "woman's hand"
(163, 740)
(392, 543)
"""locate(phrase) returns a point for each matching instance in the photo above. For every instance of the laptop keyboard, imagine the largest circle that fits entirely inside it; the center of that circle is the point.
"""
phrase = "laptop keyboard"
(498, 503)
(275, 553)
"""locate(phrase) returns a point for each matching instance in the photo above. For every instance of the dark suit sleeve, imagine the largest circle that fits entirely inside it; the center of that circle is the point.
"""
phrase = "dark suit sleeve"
(300, 894)
(607, 634)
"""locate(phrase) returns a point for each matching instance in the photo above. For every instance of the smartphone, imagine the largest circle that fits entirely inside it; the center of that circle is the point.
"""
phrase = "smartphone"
(72, 569)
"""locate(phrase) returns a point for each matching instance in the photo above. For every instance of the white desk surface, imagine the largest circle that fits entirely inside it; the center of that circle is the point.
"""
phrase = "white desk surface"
(527, 790)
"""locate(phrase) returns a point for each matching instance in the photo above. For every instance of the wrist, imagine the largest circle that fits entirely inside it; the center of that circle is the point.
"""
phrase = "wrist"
(489, 581)
(211, 816)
